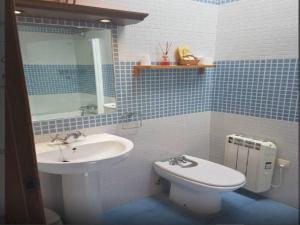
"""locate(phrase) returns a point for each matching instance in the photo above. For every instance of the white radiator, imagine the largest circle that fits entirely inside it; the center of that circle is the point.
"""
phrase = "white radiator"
(254, 158)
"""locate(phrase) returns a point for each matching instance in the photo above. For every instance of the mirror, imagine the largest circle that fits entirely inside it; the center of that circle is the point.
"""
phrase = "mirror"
(69, 71)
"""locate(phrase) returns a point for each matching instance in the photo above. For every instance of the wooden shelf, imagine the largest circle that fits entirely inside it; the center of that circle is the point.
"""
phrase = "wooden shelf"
(56, 10)
(137, 69)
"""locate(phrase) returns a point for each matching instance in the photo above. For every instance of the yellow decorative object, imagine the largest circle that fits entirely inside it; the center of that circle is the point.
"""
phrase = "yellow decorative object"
(185, 57)
(183, 51)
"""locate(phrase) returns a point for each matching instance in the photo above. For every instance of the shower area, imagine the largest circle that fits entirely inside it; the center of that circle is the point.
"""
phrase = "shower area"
(68, 70)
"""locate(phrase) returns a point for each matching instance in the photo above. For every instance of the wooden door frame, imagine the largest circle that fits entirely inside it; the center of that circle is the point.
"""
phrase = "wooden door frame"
(23, 200)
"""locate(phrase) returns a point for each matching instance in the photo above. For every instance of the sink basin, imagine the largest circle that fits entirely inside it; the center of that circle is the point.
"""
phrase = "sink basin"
(80, 165)
(85, 154)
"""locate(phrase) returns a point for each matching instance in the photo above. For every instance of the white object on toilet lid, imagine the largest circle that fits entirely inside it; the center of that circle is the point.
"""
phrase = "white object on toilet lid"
(205, 172)
(51, 217)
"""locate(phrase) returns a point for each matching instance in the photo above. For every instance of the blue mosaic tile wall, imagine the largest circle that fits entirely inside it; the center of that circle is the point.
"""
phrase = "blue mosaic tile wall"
(64, 79)
(47, 29)
(261, 88)
(154, 94)
(162, 92)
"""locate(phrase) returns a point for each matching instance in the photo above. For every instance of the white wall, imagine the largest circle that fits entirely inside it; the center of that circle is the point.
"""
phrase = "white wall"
(184, 22)
(284, 134)
(179, 21)
(47, 48)
(253, 29)
(84, 50)
(64, 49)
(59, 103)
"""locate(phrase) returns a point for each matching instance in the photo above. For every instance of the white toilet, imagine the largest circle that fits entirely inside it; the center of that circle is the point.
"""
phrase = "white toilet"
(197, 183)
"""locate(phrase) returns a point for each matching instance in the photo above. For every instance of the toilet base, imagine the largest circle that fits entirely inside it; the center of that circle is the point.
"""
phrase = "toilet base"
(201, 200)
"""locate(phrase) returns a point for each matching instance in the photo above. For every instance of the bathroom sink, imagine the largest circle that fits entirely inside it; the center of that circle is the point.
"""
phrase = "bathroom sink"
(86, 154)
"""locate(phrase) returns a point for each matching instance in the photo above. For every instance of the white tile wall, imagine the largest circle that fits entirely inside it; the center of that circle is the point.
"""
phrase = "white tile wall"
(33, 48)
(134, 177)
(54, 103)
(252, 29)
(283, 134)
(184, 22)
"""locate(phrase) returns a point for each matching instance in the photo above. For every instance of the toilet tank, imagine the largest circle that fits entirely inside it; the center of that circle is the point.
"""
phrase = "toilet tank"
(254, 158)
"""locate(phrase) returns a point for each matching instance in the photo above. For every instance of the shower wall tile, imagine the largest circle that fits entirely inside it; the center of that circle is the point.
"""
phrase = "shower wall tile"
(63, 79)
(108, 80)
(51, 79)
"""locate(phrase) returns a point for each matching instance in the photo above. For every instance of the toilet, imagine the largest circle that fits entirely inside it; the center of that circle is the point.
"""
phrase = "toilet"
(197, 183)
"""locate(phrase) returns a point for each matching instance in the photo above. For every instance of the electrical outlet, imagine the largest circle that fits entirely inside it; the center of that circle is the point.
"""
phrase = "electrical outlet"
(283, 163)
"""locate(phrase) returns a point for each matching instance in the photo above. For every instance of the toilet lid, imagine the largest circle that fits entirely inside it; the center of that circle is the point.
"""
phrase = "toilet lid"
(205, 172)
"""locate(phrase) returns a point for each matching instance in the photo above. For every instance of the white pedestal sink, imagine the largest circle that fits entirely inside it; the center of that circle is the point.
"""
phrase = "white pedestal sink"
(80, 163)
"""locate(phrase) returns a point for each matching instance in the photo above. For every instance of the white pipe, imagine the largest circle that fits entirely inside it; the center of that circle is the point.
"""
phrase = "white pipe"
(280, 177)
(98, 74)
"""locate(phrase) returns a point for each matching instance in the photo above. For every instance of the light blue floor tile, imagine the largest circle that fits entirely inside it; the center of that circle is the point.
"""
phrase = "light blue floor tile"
(232, 201)
(261, 212)
(237, 208)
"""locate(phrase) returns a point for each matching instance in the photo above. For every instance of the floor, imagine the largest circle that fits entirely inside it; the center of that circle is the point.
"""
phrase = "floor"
(237, 208)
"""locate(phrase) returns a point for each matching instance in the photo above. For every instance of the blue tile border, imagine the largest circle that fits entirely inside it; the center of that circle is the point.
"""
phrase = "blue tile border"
(154, 94)
(260, 88)
(266, 88)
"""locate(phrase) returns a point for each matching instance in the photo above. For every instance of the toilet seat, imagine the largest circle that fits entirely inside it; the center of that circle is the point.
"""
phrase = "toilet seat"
(206, 173)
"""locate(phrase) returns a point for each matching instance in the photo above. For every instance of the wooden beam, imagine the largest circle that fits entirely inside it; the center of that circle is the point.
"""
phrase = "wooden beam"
(45, 9)
(23, 200)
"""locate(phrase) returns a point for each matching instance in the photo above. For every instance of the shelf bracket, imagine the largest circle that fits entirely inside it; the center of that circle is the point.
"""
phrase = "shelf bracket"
(201, 71)
(136, 71)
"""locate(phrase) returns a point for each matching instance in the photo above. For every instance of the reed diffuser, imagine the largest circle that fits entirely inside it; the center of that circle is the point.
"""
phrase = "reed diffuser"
(165, 51)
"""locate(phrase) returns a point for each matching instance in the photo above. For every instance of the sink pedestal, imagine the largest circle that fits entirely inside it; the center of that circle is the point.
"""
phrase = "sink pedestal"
(82, 198)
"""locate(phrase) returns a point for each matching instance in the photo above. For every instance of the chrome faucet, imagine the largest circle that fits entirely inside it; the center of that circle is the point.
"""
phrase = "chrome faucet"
(87, 109)
(57, 138)
(181, 161)
(75, 135)
(64, 140)
(177, 160)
